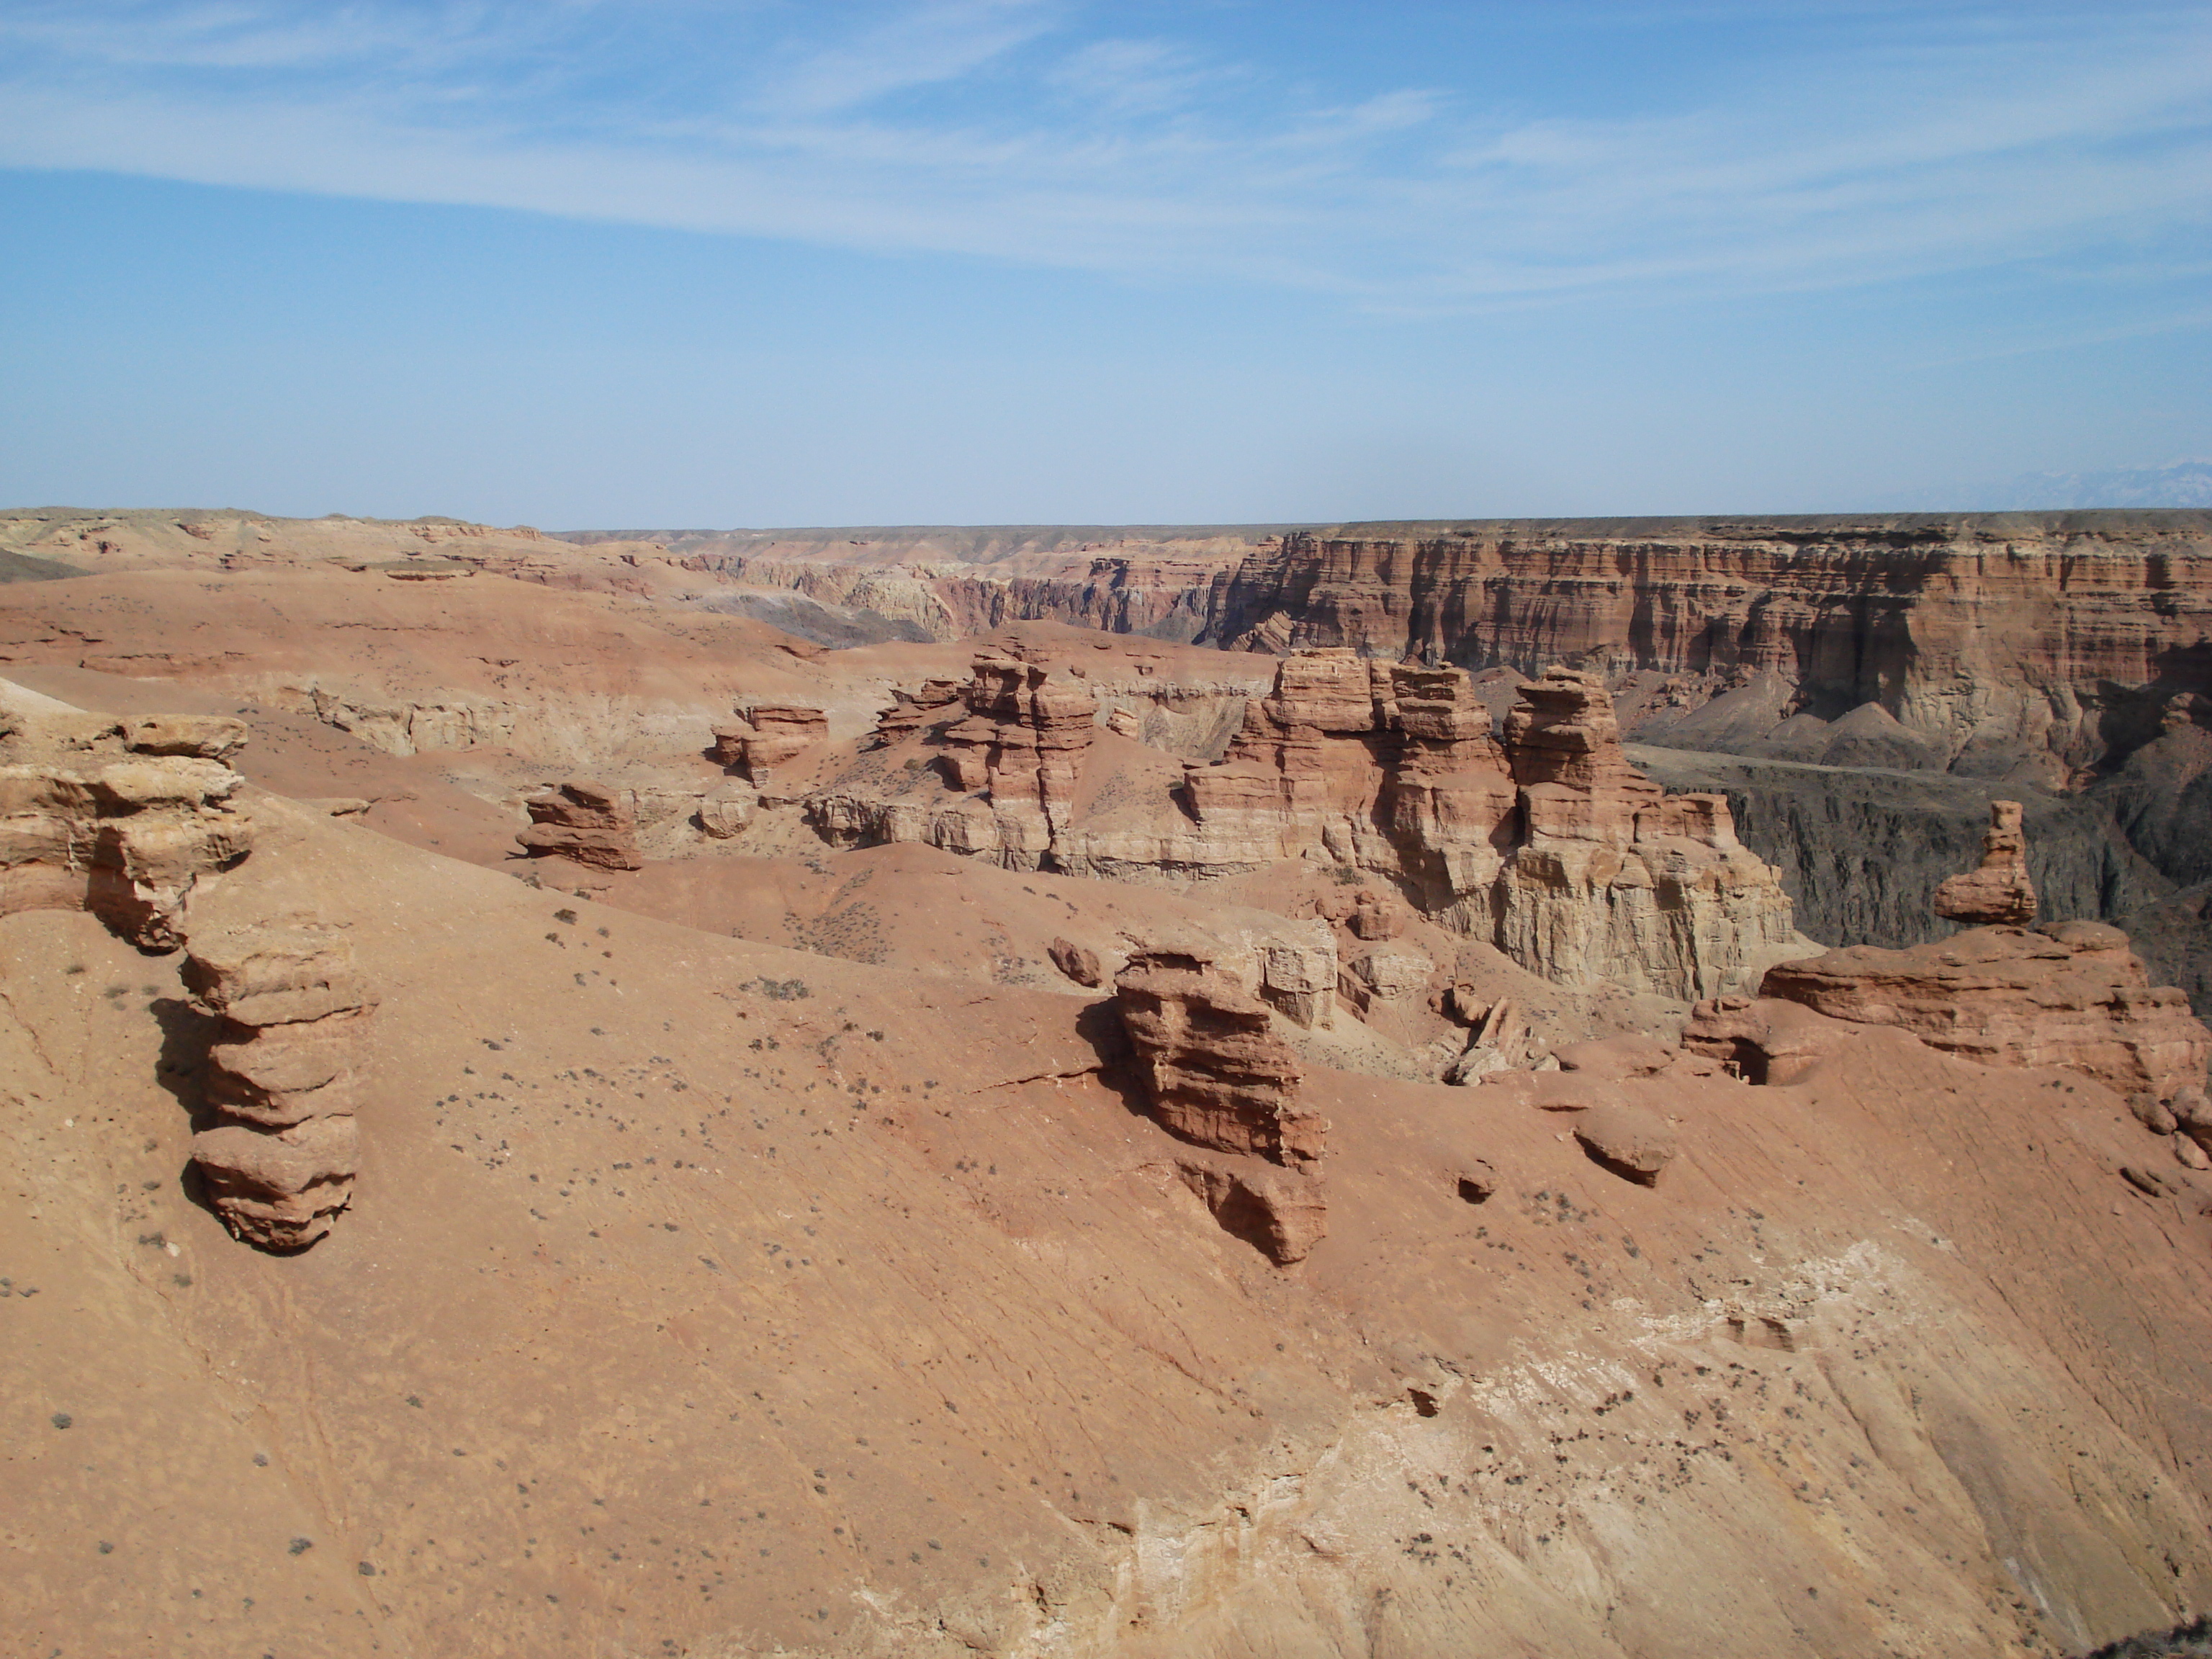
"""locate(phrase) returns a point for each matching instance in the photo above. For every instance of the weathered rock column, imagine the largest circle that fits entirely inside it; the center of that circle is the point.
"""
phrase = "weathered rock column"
(283, 1077)
(1998, 891)
(1218, 1077)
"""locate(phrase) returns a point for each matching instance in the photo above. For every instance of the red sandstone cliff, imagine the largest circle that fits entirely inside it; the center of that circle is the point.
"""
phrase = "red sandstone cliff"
(2060, 633)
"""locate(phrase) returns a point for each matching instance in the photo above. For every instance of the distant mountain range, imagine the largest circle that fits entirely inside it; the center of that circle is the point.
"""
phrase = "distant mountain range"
(2184, 484)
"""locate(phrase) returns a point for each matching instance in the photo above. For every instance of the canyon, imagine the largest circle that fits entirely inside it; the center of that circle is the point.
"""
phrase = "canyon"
(1621, 1090)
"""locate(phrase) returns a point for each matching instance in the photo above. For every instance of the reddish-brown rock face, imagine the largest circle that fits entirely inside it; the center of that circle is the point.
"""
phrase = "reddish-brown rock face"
(1218, 1077)
(911, 710)
(2001, 630)
(1999, 890)
(124, 820)
(2069, 994)
(1023, 740)
(283, 1077)
(1551, 845)
(1217, 1074)
(583, 821)
(766, 736)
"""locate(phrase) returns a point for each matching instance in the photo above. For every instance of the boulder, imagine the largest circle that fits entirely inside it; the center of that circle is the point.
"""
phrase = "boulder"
(583, 821)
(1633, 1142)
(1500, 1043)
(1281, 1213)
(722, 817)
(1078, 962)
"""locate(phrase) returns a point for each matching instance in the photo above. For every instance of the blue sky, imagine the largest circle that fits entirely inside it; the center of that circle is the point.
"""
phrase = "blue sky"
(671, 262)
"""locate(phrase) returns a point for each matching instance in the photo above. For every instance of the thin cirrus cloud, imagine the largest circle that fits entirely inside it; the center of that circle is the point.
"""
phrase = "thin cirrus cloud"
(1029, 131)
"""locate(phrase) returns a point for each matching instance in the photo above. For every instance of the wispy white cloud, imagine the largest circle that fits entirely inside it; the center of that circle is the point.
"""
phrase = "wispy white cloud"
(1013, 128)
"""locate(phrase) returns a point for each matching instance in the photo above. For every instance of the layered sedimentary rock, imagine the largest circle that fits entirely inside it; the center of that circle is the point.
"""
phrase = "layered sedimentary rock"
(1213, 1068)
(583, 821)
(1764, 1041)
(766, 736)
(2068, 994)
(283, 1077)
(124, 819)
(1217, 1076)
(1997, 890)
(1616, 881)
(1551, 844)
(911, 710)
(1023, 741)
(1980, 637)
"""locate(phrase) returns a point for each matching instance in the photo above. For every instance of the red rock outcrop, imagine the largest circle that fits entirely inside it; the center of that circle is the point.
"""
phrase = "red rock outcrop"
(1023, 741)
(911, 710)
(1550, 845)
(767, 736)
(283, 1077)
(583, 821)
(124, 819)
(1077, 962)
(1763, 1041)
(1215, 1072)
(2069, 994)
(1616, 881)
(1632, 1141)
(2029, 632)
(1281, 1212)
(1998, 891)
(1218, 1077)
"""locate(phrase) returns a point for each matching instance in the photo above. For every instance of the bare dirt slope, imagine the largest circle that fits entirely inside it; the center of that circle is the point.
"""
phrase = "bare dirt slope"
(773, 1253)
(701, 1297)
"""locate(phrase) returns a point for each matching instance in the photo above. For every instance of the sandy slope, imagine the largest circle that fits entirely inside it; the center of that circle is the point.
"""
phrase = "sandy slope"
(683, 1311)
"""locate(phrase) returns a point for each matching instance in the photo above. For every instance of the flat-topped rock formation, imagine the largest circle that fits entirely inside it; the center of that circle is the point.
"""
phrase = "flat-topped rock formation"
(123, 819)
(766, 736)
(1956, 628)
(283, 1076)
(2068, 994)
(583, 821)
